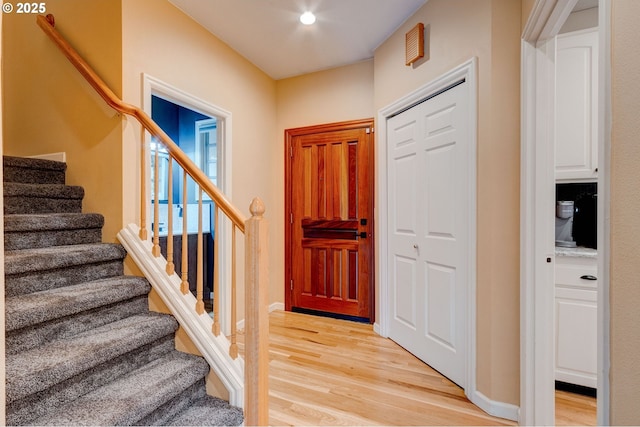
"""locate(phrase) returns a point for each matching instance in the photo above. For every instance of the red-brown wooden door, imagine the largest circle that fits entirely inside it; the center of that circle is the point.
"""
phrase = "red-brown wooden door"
(330, 206)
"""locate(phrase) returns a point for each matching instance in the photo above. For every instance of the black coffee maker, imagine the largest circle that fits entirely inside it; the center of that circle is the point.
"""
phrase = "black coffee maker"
(585, 220)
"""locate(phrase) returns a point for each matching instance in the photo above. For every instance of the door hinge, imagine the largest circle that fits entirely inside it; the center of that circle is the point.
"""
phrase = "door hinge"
(291, 218)
(291, 284)
(290, 151)
(368, 130)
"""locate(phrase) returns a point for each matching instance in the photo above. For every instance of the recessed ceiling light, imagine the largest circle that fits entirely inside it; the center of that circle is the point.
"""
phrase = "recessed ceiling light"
(307, 18)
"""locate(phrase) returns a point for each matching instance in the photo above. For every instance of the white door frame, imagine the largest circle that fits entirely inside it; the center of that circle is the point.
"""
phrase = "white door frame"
(153, 86)
(537, 253)
(467, 71)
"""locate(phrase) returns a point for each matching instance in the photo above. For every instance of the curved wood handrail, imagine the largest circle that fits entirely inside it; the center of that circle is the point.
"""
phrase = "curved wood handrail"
(48, 26)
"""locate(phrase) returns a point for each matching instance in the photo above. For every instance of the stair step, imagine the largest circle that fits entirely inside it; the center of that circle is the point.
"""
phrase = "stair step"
(208, 411)
(25, 410)
(34, 270)
(29, 372)
(128, 400)
(57, 329)
(42, 198)
(33, 171)
(54, 229)
(39, 307)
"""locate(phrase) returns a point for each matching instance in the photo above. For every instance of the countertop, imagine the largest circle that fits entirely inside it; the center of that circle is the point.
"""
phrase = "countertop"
(579, 252)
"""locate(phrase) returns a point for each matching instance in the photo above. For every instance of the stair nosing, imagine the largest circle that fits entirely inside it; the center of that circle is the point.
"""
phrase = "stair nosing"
(56, 257)
(33, 163)
(43, 191)
(15, 223)
(33, 304)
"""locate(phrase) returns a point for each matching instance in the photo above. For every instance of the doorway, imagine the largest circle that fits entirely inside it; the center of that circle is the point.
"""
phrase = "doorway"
(329, 231)
(537, 200)
(207, 137)
(467, 73)
(189, 130)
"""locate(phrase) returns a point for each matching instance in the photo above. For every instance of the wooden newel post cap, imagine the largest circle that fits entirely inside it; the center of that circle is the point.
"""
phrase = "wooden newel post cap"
(257, 207)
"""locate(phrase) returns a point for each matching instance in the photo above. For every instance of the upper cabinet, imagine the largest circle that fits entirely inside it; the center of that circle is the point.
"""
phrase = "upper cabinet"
(576, 109)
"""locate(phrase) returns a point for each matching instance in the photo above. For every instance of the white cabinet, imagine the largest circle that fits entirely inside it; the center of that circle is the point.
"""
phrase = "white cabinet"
(576, 316)
(576, 108)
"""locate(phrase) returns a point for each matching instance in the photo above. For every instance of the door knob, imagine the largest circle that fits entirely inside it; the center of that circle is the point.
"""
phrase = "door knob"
(415, 246)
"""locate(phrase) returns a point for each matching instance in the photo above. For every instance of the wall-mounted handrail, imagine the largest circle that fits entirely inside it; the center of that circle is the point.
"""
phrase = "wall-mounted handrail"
(48, 26)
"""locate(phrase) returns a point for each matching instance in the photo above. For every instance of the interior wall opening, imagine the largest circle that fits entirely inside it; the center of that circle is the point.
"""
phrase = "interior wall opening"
(203, 132)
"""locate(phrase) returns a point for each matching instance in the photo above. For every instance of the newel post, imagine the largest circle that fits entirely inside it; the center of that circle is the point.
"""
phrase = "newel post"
(256, 402)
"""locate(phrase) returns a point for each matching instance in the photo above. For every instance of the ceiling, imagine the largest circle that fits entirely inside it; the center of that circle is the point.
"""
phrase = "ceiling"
(269, 34)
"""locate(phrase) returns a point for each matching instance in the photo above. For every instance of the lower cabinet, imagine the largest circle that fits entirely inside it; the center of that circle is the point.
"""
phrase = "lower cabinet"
(576, 321)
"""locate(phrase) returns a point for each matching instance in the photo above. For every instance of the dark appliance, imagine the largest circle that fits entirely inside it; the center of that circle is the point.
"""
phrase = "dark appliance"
(585, 221)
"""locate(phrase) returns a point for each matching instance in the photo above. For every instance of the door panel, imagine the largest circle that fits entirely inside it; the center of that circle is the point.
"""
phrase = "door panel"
(330, 229)
(428, 223)
(405, 307)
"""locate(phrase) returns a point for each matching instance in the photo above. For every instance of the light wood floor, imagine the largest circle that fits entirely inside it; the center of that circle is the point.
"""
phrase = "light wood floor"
(575, 409)
(333, 372)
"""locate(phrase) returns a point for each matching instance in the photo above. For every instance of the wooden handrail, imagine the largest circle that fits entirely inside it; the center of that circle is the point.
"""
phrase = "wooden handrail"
(256, 263)
(48, 26)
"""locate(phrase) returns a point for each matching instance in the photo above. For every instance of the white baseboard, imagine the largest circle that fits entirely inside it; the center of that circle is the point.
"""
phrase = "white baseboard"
(276, 306)
(494, 408)
(272, 307)
(378, 329)
(58, 157)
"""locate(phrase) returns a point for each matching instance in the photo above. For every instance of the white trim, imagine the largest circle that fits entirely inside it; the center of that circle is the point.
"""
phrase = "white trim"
(467, 71)
(272, 307)
(276, 306)
(56, 157)
(377, 329)
(537, 239)
(495, 408)
(604, 204)
(537, 374)
(214, 349)
(153, 86)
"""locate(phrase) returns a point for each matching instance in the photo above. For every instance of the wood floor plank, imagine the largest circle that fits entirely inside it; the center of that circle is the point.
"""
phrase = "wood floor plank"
(575, 409)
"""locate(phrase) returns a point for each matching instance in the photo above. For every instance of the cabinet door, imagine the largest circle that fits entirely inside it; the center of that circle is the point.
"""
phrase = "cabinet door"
(576, 115)
(576, 336)
(576, 321)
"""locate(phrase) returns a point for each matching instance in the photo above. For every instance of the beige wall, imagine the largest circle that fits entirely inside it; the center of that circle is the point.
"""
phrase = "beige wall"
(339, 94)
(160, 40)
(489, 30)
(625, 223)
(335, 95)
(53, 109)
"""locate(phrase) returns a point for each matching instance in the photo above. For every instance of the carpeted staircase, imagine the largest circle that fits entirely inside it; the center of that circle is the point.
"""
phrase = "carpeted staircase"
(82, 347)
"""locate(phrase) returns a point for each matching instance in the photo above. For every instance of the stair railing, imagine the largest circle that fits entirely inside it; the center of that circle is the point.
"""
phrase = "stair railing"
(255, 230)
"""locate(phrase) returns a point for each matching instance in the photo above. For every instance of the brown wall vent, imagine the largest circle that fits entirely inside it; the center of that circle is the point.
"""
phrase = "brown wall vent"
(415, 44)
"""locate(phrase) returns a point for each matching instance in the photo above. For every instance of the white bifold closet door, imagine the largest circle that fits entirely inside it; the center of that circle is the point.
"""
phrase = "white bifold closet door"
(429, 208)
